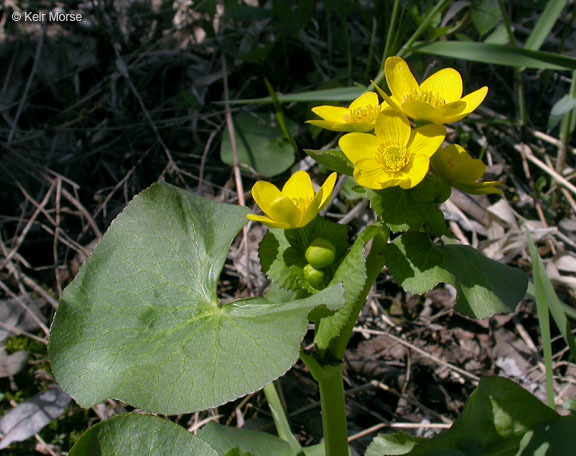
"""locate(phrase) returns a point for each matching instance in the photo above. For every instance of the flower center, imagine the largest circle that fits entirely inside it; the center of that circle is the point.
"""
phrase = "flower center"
(393, 157)
(366, 114)
(427, 97)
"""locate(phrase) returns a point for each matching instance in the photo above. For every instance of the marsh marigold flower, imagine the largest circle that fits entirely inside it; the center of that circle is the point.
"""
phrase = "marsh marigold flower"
(438, 99)
(396, 155)
(359, 116)
(462, 171)
(295, 205)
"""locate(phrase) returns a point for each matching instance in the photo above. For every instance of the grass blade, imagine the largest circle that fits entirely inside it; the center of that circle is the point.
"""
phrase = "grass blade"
(545, 23)
(544, 295)
(338, 94)
(496, 54)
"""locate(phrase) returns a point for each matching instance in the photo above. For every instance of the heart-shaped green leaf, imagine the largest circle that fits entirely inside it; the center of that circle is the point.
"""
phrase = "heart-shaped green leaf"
(136, 435)
(225, 438)
(484, 286)
(499, 419)
(141, 322)
(260, 144)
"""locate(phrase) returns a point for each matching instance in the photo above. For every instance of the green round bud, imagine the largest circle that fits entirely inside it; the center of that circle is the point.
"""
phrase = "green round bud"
(313, 276)
(320, 253)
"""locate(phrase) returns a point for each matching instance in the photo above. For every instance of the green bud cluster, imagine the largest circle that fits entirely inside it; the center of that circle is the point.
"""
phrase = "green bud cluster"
(319, 254)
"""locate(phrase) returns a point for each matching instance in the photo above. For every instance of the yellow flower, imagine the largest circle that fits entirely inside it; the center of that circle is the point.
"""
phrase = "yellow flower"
(293, 207)
(462, 171)
(397, 155)
(438, 99)
(359, 116)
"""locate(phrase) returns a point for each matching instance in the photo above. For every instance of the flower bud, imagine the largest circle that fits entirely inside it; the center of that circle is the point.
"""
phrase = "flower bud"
(313, 276)
(320, 253)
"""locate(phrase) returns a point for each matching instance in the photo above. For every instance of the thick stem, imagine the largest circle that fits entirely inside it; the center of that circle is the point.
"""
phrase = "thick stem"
(334, 412)
(334, 425)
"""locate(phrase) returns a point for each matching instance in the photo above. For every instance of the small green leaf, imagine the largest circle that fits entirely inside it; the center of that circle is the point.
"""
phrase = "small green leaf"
(282, 252)
(404, 210)
(141, 322)
(561, 108)
(315, 450)
(333, 159)
(225, 438)
(485, 15)
(260, 144)
(484, 286)
(392, 444)
(136, 435)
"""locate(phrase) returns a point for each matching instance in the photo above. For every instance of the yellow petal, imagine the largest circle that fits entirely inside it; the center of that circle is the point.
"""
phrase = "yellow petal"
(265, 193)
(422, 111)
(358, 146)
(284, 212)
(331, 113)
(417, 170)
(472, 101)
(311, 212)
(391, 102)
(299, 186)
(392, 126)
(451, 109)
(446, 84)
(266, 221)
(426, 140)
(366, 99)
(325, 191)
(400, 78)
(369, 173)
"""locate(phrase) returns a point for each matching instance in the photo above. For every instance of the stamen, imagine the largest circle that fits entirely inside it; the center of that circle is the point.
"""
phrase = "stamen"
(393, 157)
(426, 97)
(366, 114)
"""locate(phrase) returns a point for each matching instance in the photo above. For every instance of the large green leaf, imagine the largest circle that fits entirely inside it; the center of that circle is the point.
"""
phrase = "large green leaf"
(484, 286)
(136, 435)
(260, 145)
(496, 54)
(225, 438)
(142, 323)
(495, 422)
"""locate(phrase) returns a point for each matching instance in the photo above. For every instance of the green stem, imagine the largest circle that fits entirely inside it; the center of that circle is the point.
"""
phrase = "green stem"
(334, 425)
(425, 24)
(522, 115)
(280, 420)
(374, 264)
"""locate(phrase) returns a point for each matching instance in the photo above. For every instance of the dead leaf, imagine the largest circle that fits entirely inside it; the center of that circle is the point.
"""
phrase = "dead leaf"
(14, 315)
(10, 365)
(29, 417)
